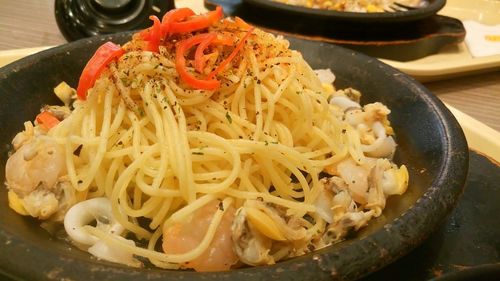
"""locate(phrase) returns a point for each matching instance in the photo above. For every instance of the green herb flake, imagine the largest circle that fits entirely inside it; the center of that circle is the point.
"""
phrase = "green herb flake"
(228, 117)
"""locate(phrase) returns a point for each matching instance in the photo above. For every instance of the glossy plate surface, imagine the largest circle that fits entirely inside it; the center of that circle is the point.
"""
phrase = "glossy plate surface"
(430, 141)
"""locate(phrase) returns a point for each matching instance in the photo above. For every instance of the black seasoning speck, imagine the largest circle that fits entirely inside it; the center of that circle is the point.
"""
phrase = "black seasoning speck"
(78, 150)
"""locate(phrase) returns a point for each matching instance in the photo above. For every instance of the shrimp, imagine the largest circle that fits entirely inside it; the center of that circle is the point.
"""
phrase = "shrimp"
(38, 162)
(34, 173)
(183, 237)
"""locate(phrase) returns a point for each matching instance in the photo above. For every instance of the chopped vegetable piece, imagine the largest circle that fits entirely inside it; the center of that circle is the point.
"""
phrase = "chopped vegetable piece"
(199, 62)
(180, 63)
(102, 57)
(154, 35)
(46, 120)
(232, 55)
(16, 204)
(64, 92)
(172, 16)
(197, 22)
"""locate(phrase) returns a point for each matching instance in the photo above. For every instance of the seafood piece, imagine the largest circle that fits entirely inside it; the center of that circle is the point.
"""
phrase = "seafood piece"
(325, 75)
(183, 237)
(24, 136)
(36, 173)
(348, 202)
(39, 162)
(376, 142)
(344, 102)
(260, 226)
(250, 245)
(369, 114)
(99, 210)
(351, 221)
(334, 200)
(356, 177)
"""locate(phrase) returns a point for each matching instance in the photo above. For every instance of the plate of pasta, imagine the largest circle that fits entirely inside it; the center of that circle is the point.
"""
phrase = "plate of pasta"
(205, 148)
(354, 11)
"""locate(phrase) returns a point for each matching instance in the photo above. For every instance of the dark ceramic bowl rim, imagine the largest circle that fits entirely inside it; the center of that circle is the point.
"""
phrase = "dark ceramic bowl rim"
(441, 196)
(411, 15)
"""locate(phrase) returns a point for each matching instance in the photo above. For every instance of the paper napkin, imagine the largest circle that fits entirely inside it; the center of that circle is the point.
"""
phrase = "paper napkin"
(482, 40)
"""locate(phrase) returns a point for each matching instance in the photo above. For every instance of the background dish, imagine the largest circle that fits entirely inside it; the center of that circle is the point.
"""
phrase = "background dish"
(401, 41)
(434, 149)
(456, 60)
(410, 15)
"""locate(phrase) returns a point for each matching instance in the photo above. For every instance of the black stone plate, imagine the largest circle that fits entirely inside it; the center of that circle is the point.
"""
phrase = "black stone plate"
(401, 41)
(388, 17)
(431, 144)
(467, 246)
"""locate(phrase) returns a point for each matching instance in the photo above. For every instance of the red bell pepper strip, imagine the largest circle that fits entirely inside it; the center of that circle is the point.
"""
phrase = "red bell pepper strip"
(200, 59)
(224, 39)
(199, 62)
(180, 63)
(231, 56)
(197, 22)
(154, 35)
(102, 57)
(172, 16)
(46, 120)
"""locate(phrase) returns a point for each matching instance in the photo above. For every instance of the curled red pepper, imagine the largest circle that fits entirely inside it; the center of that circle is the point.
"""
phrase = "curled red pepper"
(172, 16)
(154, 35)
(101, 58)
(199, 62)
(232, 55)
(197, 22)
(180, 62)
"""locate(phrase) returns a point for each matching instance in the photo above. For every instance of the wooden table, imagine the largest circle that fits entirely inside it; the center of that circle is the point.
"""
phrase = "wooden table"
(31, 23)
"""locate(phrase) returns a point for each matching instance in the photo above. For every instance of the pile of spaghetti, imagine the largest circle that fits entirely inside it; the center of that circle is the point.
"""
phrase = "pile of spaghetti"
(204, 143)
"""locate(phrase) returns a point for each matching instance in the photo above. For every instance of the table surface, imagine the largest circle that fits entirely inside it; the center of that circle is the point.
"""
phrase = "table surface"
(31, 23)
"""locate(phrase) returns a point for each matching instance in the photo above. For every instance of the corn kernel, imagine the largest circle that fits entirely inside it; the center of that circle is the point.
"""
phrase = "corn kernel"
(328, 88)
(370, 8)
(403, 177)
(16, 204)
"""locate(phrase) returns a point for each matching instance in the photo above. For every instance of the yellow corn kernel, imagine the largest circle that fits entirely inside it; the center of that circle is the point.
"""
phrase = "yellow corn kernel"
(370, 8)
(64, 92)
(403, 177)
(264, 223)
(328, 88)
(16, 204)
